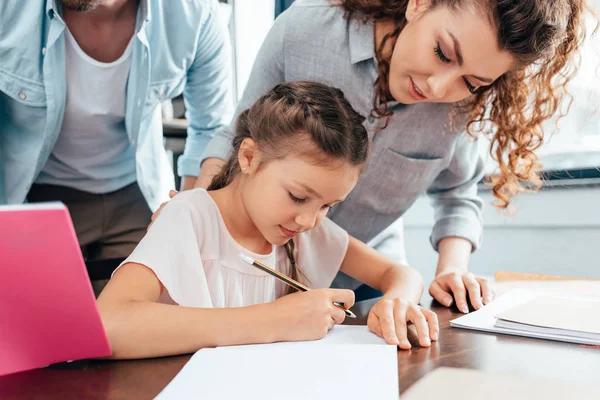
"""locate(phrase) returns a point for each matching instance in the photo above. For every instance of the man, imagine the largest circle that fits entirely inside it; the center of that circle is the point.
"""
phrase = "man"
(81, 83)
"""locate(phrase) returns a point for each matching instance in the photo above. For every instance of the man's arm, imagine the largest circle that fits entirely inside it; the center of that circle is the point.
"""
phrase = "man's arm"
(208, 170)
(208, 92)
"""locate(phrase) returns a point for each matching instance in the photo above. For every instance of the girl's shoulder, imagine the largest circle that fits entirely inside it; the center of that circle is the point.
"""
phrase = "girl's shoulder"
(194, 198)
(198, 204)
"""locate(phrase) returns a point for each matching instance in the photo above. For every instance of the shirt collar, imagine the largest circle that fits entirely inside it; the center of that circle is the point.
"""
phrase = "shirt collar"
(52, 9)
(50, 6)
(361, 38)
(145, 10)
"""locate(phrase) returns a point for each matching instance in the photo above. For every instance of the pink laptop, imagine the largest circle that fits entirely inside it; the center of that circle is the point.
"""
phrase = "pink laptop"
(48, 312)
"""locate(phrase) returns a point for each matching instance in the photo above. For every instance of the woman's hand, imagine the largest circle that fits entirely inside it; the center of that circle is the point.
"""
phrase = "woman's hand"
(172, 193)
(452, 280)
(389, 319)
(309, 315)
(452, 286)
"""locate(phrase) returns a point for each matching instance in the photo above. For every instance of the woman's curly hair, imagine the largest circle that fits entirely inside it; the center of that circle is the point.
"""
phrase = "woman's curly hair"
(543, 36)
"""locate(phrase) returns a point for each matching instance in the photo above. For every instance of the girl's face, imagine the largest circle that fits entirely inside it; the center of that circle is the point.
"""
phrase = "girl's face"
(292, 195)
(443, 55)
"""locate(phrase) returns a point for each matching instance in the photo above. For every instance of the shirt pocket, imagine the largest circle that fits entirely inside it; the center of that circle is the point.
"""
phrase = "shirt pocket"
(23, 92)
(24, 104)
(164, 90)
(393, 181)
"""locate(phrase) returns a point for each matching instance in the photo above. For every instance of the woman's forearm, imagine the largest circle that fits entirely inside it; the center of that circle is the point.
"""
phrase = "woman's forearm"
(138, 329)
(403, 282)
(454, 255)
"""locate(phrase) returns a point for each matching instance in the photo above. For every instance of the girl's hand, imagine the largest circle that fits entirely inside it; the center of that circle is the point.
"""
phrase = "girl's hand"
(389, 317)
(453, 286)
(309, 315)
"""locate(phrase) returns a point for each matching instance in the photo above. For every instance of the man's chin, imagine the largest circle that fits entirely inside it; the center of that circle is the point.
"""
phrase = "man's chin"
(80, 6)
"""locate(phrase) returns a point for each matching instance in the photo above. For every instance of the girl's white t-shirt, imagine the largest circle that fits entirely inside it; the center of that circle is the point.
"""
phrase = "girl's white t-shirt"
(197, 260)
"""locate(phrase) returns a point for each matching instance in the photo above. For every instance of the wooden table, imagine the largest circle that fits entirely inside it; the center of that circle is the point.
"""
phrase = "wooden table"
(144, 379)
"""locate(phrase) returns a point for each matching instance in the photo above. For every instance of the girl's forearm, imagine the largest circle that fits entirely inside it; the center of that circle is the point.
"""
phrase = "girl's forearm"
(143, 329)
(403, 282)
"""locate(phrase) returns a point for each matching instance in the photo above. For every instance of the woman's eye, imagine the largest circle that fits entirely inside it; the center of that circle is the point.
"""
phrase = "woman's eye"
(471, 88)
(296, 199)
(438, 51)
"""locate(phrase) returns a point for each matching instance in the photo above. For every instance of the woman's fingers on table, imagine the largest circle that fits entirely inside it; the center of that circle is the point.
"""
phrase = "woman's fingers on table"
(487, 290)
(474, 290)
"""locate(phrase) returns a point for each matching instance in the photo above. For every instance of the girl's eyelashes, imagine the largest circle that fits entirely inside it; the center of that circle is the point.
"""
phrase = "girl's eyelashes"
(296, 199)
(440, 53)
(299, 200)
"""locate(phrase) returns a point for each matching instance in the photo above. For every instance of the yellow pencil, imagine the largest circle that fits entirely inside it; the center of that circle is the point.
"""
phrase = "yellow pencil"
(286, 279)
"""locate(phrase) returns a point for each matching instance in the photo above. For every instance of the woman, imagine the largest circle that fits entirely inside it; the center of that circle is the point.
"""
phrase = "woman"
(423, 70)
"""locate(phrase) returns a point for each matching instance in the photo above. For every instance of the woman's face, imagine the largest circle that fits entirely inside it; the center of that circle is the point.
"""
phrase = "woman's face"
(444, 55)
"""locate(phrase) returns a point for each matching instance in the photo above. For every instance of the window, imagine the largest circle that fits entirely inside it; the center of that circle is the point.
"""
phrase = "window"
(251, 22)
(575, 143)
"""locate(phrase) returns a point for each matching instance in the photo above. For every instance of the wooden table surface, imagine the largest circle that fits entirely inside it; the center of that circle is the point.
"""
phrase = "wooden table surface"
(144, 379)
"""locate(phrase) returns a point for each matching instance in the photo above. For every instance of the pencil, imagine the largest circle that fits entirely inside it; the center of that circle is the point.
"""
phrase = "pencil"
(286, 279)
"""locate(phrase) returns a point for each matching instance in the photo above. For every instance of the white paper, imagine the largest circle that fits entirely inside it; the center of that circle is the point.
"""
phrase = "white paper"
(466, 384)
(351, 334)
(350, 363)
(484, 319)
(555, 314)
(566, 333)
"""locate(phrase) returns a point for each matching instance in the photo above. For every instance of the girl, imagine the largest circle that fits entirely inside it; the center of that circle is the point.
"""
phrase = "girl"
(497, 66)
(298, 151)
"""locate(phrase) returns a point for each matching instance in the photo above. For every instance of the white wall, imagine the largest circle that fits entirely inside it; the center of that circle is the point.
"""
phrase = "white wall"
(252, 20)
(555, 231)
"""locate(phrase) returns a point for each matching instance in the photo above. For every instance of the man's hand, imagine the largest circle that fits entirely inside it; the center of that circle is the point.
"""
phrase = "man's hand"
(453, 282)
(172, 194)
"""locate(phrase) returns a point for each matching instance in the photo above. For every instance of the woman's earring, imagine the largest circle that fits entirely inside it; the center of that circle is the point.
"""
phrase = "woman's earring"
(244, 170)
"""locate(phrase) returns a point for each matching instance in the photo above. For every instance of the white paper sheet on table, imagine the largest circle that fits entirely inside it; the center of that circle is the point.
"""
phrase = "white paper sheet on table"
(349, 363)
(573, 318)
(484, 319)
